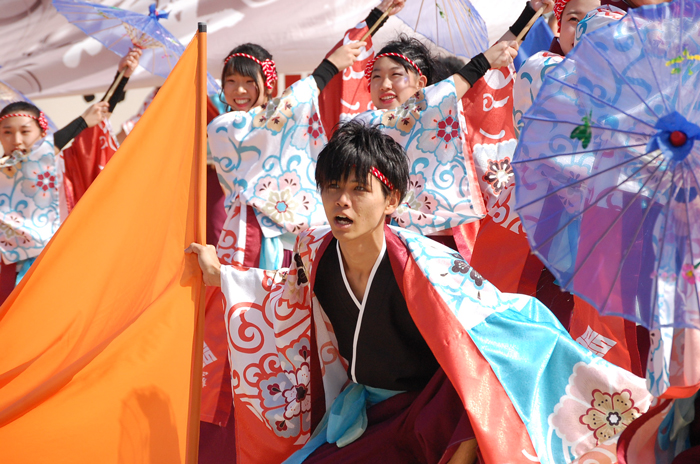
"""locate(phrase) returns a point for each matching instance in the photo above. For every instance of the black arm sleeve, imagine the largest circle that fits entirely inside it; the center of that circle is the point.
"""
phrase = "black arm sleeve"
(521, 22)
(373, 17)
(324, 73)
(475, 69)
(68, 133)
(118, 94)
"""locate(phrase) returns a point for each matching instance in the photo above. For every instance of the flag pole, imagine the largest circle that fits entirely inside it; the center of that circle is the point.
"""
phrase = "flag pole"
(201, 238)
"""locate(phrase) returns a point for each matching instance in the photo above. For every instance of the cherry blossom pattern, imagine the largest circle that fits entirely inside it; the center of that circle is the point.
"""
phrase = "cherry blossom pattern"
(40, 181)
(11, 235)
(286, 396)
(594, 410)
(284, 201)
(460, 266)
(275, 114)
(498, 174)
(609, 414)
(418, 206)
(11, 170)
(690, 273)
(441, 134)
(405, 116)
(311, 134)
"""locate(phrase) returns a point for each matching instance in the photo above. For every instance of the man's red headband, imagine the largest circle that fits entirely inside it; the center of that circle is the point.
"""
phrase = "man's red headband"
(382, 178)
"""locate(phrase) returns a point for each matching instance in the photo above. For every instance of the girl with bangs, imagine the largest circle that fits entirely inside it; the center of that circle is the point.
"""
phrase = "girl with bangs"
(424, 114)
(265, 149)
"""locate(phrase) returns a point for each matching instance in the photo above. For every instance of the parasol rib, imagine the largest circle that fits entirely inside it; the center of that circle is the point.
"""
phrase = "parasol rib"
(578, 123)
(549, 194)
(641, 99)
(651, 68)
(578, 89)
(688, 235)
(593, 150)
(631, 245)
(661, 249)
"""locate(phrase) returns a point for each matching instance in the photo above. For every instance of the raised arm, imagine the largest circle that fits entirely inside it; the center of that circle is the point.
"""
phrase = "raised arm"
(498, 56)
(91, 117)
(528, 13)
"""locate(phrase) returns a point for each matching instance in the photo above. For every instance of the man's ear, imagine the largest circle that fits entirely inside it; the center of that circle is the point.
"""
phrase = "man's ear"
(393, 202)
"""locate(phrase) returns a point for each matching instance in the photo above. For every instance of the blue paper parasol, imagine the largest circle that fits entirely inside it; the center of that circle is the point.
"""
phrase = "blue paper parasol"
(454, 25)
(9, 94)
(608, 167)
(121, 30)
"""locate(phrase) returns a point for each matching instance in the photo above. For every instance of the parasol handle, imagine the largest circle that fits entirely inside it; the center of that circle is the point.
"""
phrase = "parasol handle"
(376, 25)
(520, 36)
(114, 85)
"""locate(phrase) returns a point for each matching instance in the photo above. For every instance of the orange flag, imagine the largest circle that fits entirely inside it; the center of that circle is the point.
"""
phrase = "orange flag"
(99, 343)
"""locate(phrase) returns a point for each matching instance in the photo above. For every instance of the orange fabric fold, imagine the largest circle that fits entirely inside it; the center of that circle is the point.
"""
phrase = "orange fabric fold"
(97, 341)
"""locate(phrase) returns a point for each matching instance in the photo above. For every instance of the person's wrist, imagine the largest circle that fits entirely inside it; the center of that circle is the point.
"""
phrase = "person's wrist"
(525, 16)
(475, 69)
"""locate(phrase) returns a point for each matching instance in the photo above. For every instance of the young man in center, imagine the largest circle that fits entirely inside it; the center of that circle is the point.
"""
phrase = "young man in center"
(381, 345)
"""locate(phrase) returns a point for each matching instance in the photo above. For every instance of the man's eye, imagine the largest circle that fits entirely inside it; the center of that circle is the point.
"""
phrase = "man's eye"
(361, 188)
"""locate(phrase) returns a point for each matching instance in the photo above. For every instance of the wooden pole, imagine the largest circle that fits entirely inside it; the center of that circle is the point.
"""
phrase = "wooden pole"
(114, 85)
(376, 25)
(200, 205)
(521, 36)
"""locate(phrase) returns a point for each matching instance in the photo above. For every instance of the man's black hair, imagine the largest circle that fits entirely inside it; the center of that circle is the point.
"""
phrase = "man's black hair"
(357, 147)
(244, 66)
(20, 107)
(413, 49)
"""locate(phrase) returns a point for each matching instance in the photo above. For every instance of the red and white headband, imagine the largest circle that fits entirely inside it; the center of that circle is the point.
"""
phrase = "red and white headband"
(43, 122)
(370, 65)
(559, 6)
(268, 68)
(382, 178)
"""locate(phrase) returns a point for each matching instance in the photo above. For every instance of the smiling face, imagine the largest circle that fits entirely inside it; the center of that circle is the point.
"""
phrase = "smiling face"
(19, 133)
(391, 84)
(356, 210)
(242, 93)
(574, 11)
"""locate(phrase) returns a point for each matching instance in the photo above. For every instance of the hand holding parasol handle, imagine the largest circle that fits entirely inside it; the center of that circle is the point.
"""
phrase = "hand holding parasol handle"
(520, 36)
(114, 85)
(376, 25)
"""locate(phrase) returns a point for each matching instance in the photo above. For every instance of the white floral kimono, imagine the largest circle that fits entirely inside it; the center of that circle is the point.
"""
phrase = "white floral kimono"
(443, 191)
(532, 394)
(31, 206)
(265, 159)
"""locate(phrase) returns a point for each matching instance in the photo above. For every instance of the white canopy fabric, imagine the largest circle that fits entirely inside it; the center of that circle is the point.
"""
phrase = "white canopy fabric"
(42, 55)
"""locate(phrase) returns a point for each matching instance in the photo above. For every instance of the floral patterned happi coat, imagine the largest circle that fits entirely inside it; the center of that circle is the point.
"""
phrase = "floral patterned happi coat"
(507, 356)
(265, 159)
(443, 191)
(30, 202)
